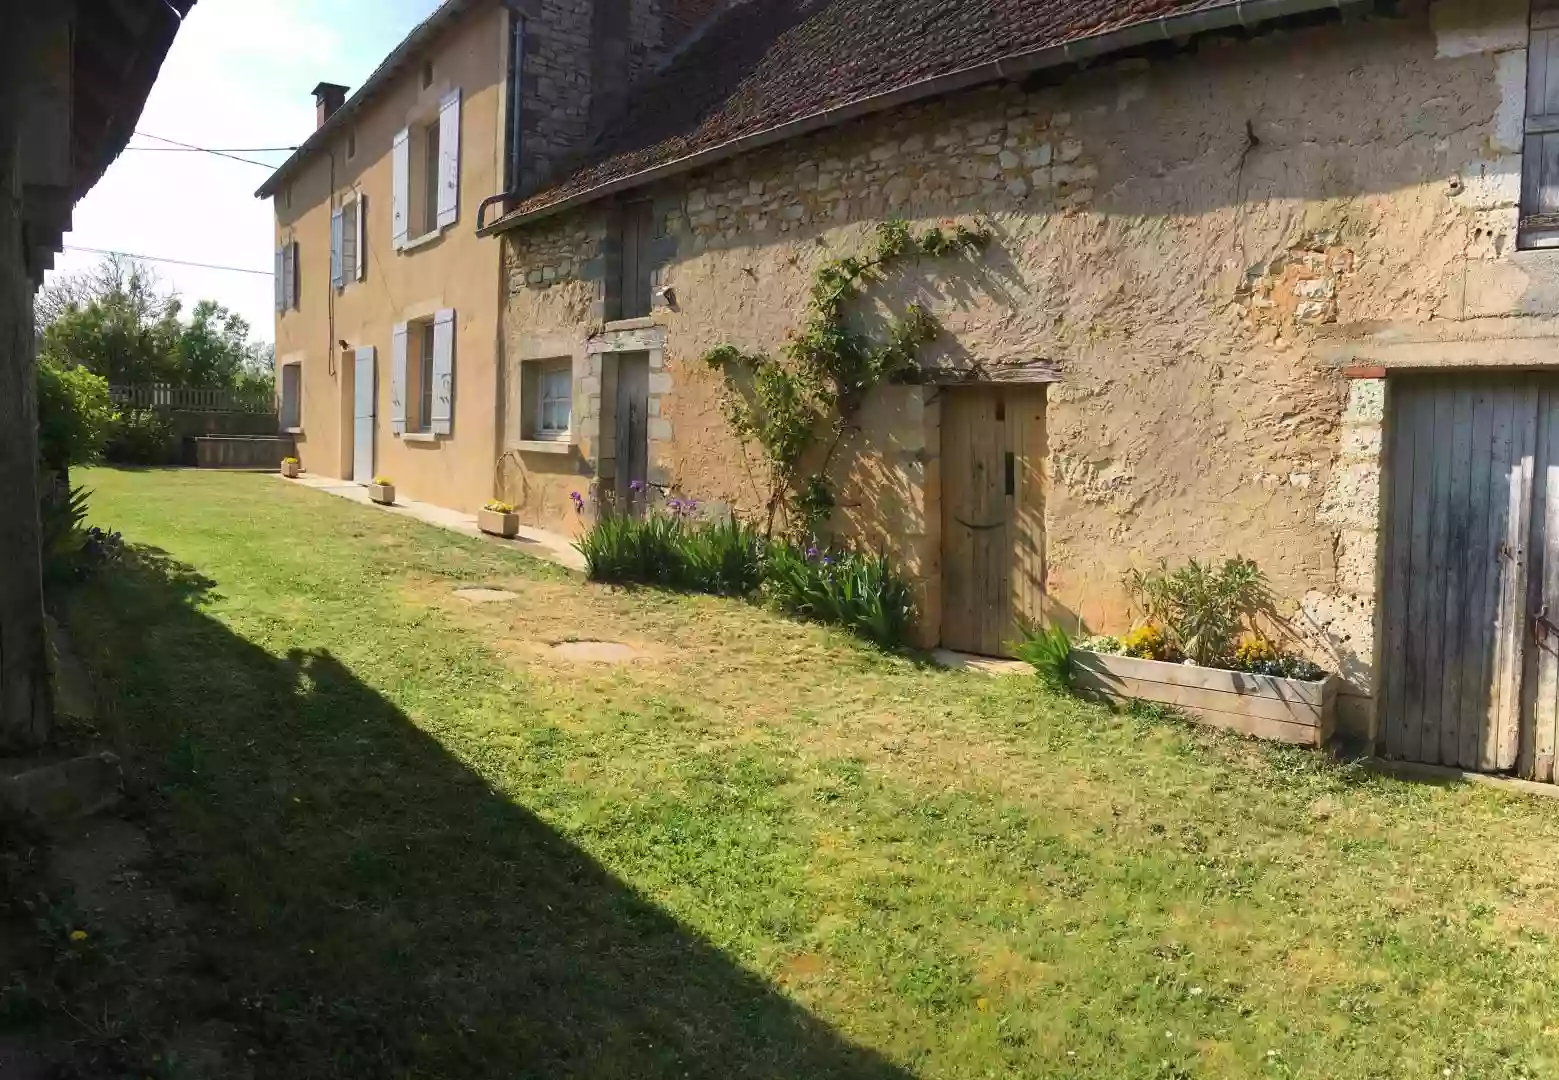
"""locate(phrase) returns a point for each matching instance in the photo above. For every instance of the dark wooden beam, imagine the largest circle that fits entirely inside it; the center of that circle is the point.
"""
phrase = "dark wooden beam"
(1003, 373)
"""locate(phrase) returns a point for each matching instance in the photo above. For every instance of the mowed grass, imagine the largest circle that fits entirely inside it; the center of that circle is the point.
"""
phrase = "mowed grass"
(415, 842)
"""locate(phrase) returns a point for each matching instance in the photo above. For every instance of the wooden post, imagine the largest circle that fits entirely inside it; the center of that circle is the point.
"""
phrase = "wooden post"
(25, 702)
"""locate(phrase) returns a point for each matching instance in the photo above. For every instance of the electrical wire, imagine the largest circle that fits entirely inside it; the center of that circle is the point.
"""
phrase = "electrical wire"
(209, 150)
(175, 262)
(205, 150)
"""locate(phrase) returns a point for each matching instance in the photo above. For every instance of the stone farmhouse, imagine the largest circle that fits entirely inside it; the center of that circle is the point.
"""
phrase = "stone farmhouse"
(1264, 277)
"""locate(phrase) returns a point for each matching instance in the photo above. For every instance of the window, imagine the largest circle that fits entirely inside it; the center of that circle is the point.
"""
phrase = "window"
(419, 414)
(1540, 151)
(351, 145)
(285, 276)
(427, 74)
(426, 174)
(422, 375)
(349, 242)
(291, 414)
(554, 402)
(514, 104)
(628, 290)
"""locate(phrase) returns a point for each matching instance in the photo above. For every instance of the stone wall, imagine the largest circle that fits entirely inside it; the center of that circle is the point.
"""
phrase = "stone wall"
(1200, 243)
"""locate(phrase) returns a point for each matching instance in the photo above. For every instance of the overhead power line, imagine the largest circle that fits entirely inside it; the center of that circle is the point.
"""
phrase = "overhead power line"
(206, 150)
(209, 150)
(174, 262)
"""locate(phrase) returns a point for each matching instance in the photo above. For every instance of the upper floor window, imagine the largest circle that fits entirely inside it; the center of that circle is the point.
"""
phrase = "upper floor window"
(286, 276)
(1539, 226)
(514, 104)
(349, 241)
(426, 174)
(628, 290)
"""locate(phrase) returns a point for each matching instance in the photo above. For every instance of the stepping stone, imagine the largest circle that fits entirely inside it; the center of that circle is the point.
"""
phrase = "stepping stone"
(598, 652)
(485, 596)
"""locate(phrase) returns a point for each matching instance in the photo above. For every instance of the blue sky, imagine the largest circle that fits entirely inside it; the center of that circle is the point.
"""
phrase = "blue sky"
(239, 75)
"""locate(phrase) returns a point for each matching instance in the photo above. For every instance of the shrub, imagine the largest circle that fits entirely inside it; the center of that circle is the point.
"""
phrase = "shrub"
(852, 589)
(634, 551)
(1148, 642)
(75, 415)
(725, 559)
(70, 552)
(1204, 608)
(1049, 652)
(141, 437)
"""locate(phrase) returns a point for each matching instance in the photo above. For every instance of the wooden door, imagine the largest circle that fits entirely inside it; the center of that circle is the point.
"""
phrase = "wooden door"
(363, 388)
(1461, 536)
(1540, 673)
(632, 430)
(993, 515)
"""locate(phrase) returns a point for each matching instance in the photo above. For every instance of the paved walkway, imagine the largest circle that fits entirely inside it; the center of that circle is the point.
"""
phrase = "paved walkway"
(538, 543)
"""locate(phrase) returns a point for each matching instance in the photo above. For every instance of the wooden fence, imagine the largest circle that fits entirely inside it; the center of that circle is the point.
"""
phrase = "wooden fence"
(190, 398)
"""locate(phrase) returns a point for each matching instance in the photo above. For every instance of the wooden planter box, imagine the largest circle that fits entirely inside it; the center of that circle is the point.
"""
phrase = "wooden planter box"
(383, 494)
(1286, 710)
(498, 524)
(290, 469)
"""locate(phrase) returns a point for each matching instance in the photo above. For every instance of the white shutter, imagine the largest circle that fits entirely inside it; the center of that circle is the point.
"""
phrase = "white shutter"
(336, 239)
(400, 188)
(443, 371)
(362, 238)
(398, 380)
(449, 158)
(280, 280)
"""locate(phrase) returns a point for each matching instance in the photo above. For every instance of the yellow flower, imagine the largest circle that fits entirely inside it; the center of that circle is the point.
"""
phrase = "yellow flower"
(982, 1004)
(78, 935)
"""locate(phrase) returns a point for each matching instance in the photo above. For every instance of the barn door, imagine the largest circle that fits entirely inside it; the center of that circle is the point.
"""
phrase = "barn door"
(632, 430)
(993, 515)
(363, 415)
(1540, 699)
(1466, 532)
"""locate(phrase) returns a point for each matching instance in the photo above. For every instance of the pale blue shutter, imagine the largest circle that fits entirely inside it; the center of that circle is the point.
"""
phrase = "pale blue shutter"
(449, 159)
(400, 188)
(279, 279)
(443, 372)
(336, 238)
(398, 379)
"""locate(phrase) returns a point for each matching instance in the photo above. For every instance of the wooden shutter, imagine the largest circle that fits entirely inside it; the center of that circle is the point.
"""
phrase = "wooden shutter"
(362, 238)
(279, 279)
(449, 159)
(290, 274)
(443, 371)
(1540, 149)
(398, 379)
(400, 188)
(349, 240)
(336, 242)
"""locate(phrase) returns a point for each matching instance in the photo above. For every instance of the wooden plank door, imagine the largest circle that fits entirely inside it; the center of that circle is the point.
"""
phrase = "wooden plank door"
(631, 433)
(993, 515)
(1459, 525)
(363, 387)
(1540, 697)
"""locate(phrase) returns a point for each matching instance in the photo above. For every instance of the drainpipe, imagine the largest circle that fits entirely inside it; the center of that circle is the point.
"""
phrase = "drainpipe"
(1238, 13)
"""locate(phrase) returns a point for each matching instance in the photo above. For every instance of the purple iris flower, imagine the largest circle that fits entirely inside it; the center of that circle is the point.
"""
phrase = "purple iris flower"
(812, 551)
(579, 502)
(637, 485)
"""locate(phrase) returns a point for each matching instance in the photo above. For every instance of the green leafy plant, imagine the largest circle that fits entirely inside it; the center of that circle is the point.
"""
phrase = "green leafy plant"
(724, 558)
(622, 550)
(498, 506)
(1048, 650)
(62, 515)
(141, 437)
(1204, 608)
(75, 415)
(853, 589)
(793, 405)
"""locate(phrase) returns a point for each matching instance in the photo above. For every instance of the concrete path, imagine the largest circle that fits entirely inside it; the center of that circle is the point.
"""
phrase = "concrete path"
(538, 543)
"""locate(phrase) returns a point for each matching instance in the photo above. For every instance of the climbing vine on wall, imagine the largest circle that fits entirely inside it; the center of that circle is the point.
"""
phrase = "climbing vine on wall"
(797, 406)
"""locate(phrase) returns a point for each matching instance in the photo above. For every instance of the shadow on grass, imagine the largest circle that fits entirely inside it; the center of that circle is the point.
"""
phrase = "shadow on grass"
(367, 906)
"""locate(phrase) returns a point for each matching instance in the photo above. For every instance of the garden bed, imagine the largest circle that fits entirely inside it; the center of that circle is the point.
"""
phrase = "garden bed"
(1268, 707)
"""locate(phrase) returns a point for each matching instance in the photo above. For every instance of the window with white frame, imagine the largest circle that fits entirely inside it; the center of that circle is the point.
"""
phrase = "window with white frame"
(291, 411)
(422, 375)
(419, 417)
(1539, 227)
(349, 241)
(425, 181)
(548, 390)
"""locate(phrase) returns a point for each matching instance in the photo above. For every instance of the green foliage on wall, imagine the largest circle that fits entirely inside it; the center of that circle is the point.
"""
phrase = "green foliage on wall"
(798, 406)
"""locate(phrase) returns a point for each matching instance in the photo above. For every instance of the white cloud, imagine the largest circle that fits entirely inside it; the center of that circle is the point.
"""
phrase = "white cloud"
(239, 75)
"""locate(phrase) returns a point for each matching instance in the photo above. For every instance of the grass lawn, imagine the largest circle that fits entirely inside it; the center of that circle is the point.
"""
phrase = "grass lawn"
(407, 839)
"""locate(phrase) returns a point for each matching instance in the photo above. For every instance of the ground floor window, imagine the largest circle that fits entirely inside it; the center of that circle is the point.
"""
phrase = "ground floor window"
(548, 389)
(291, 410)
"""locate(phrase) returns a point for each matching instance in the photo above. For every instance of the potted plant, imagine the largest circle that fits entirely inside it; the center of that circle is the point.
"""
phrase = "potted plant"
(1200, 649)
(382, 491)
(498, 519)
(290, 467)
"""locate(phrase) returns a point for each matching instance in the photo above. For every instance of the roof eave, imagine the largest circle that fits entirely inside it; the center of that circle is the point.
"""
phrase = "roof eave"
(1166, 27)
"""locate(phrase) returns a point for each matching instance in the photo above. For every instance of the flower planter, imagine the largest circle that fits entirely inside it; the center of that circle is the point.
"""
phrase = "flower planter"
(383, 494)
(1284, 710)
(290, 469)
(497, 523)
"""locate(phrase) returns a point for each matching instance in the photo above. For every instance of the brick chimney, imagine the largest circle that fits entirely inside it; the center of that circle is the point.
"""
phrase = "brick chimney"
(328, 97)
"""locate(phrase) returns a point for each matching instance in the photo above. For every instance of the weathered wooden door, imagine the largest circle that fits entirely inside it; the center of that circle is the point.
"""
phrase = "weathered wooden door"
(1471, 647)
(993, 515)
(363, 391)
(631, 434)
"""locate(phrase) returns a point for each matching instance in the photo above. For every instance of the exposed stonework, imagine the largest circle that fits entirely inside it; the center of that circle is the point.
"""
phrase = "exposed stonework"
(1188, 240)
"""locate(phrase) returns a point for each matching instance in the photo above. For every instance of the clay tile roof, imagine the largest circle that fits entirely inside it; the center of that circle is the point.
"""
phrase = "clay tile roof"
(804, 64)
